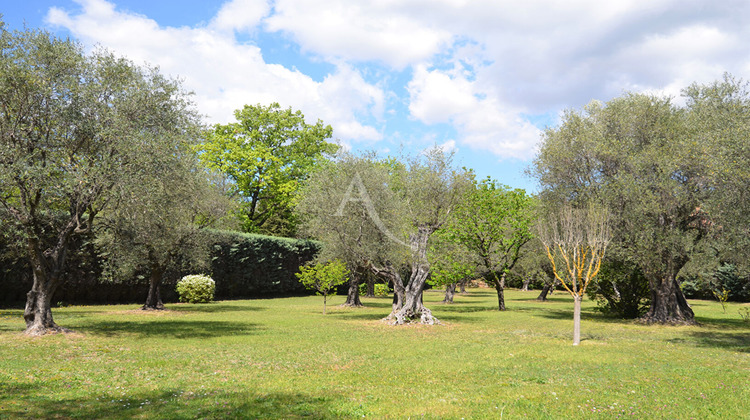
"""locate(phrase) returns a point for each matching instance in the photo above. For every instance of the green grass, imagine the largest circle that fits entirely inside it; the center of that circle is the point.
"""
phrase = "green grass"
(282, 358)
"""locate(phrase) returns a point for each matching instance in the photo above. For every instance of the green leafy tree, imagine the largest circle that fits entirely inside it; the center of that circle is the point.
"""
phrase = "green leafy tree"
(384, 218)
(494, 223)
(640, 157)
(265, 155)
(323, 277)
(72, 129)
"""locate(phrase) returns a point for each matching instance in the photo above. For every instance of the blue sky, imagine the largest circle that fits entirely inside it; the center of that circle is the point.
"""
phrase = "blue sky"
(480, 77)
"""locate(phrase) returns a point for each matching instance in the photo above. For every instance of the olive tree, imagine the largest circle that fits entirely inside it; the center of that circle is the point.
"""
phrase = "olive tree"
(381, 215)
(72, 127)
(638, 156)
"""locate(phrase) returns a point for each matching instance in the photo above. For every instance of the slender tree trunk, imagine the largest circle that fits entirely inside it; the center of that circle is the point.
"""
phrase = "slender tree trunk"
(153, 300)
(370, 286)
(500, 287)
(462, 286)
(352, 296)
(576, 320)
(325, 297)
(450, 291)
(668, 304)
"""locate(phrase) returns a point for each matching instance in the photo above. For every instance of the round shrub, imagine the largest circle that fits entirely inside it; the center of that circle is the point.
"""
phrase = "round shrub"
(196, 288)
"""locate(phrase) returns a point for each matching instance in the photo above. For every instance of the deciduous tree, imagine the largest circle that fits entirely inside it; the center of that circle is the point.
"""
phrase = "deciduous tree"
(493, 222)
(266, 154)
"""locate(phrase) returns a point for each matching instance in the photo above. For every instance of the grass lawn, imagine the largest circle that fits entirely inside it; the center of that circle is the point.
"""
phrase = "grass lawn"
(282, 358)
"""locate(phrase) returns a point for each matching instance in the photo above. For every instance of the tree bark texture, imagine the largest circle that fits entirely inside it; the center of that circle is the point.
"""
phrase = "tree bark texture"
(462, 287)
(352, 296)
(543, 295)
(153, 300)
(450, 291)
(500, 287)
(413, 308)
(577, 320)
(668, 304)
(47, 269)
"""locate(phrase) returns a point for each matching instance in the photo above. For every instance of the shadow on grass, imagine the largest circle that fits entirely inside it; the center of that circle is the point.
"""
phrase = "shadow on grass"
(177, 404)
(462, 308)
(730, 341)
(168, 328)
(213, 308)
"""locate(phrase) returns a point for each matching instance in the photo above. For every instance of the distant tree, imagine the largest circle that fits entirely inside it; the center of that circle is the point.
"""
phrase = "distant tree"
(351, 206)
(380, 215)
(266, 154)
(494, 223)
(323, 277)
(72, 128)
(576, 241)
(156, 220)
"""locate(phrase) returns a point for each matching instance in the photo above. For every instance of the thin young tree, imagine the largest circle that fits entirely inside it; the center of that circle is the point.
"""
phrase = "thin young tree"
(575, 241)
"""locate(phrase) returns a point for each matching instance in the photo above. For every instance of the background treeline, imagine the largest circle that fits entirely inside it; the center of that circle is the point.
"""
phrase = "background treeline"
(243, 266)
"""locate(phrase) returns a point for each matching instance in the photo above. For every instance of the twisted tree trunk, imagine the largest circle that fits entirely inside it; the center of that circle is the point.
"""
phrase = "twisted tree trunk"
(413, 308)
(450, 291)
(153, 301)
(668, 303)
(47, 268)
(352, 296)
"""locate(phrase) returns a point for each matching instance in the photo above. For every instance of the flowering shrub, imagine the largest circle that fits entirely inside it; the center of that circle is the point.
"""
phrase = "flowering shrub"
(196, 288)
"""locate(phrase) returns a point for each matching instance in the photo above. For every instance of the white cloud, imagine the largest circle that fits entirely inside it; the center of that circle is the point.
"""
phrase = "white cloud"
(477, 65)
(241, 15)
(359, 31)
(226, 74)
(480, 118)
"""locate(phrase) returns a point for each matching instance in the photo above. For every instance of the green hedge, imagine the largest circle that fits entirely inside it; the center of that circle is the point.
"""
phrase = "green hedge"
(250, 265)
(243, 266)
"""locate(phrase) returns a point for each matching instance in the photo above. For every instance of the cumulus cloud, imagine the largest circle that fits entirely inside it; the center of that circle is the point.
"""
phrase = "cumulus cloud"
(482, 121)
(224, 73)
(479, 66)
(241, 15)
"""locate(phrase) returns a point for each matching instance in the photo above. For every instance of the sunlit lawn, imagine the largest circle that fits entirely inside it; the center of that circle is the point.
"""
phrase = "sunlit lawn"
(281, 358)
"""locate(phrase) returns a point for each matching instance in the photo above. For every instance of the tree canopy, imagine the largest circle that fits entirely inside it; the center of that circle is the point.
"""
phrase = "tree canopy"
(73, 127)
(266, 154)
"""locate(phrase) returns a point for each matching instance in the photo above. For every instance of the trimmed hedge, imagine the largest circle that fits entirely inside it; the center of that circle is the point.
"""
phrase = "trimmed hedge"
(250, 265)
(242, 265)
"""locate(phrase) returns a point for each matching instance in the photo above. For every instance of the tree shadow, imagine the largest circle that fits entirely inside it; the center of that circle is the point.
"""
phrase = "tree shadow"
(177, 404)
(213, 308)
(178, 328)
(463, 308)
(730, 341)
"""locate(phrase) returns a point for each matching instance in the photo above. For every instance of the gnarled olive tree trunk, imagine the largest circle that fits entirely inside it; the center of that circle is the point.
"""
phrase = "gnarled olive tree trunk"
(47, 267)
(413, 308)
(153, 301)
(352, 295)
(668, 303)
(450, 291)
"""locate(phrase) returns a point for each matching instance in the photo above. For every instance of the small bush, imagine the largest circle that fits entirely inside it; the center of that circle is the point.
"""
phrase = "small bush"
(380, 289)
(196, 288)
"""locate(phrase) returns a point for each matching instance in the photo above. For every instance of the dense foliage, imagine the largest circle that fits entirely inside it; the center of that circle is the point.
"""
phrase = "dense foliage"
(265, 155)
(196, 288)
